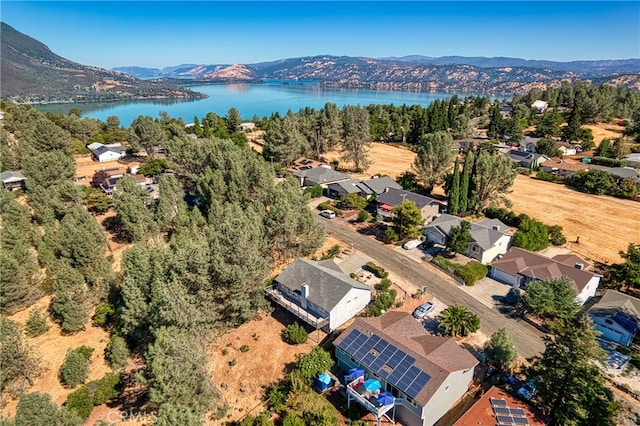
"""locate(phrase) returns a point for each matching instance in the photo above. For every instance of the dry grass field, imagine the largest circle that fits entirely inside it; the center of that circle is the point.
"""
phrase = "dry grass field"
(604, 131)
(605, 224)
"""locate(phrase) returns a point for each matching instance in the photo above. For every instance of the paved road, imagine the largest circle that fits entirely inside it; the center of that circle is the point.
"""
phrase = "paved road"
(527, 338)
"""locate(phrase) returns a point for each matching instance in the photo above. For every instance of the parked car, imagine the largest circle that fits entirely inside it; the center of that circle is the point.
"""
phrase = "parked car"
(329, 214)
(528, 390)
(422, 310)
(411, 244)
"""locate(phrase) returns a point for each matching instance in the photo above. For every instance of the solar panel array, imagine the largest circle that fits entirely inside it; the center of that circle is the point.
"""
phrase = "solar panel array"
(508, 416)
(375, 353)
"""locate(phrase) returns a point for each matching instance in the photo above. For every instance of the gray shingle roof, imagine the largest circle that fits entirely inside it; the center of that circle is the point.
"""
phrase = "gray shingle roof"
(395, 197)
(481, 232)
(11, 176)
(351, 186)
(613, 302)
(378, 185)
(327, 284)
(322, 175)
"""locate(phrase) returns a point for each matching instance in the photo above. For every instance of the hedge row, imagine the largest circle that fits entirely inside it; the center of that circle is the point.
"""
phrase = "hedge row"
(470, 273)
(378, 271)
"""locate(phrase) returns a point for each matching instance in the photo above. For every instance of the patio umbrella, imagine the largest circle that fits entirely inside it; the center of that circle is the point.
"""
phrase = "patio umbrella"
(324, 378)
(385, 398)
(372, 385)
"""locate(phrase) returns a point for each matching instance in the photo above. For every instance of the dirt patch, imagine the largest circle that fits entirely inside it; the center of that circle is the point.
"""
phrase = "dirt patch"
(52, 348)
(604, 224)
(256, 140)
(388, 159)
(86, 167)
(604, 131)
(244, 384)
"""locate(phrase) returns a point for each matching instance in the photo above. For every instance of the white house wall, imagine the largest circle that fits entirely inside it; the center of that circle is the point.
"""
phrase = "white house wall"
(451, 390)
(429, 212)
(500, 247)
(612, 332)
(108, 156)
(350, 305)
(589, 290)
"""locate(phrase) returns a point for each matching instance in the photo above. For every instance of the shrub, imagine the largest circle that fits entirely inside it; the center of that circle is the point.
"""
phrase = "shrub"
(548, 177)
(104, 315)
(524, 171)
(79, 401)
(117, 352)
(378, 271)
(385, 284)
(313, 191)
(225, 352)
(332, 252)
(609, 162)
(244, 348)
(153, 167)
(107, 388)
(352, 201)
(473, 271)
(363, 216)
(391, 234)
(36, 324)
(556, 236)
(295, 334)
(316, 362)
(233, 362)
(75, 368)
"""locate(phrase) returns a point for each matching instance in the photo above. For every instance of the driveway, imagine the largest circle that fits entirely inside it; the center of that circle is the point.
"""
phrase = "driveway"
(528, 339)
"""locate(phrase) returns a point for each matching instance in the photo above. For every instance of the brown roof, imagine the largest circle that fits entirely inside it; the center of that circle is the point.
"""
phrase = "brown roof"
(437, 356)
(570, 260)
(535, 266)
(568, 165)
(481, 413)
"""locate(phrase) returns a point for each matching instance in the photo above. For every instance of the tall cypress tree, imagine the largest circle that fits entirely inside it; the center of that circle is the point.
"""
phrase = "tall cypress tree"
(454, 191)
(464, 182)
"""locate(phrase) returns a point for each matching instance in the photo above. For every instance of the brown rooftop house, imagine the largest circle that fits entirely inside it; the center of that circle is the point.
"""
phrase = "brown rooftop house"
(101, 176)
(12, 180)
(617, 317)
(519, 267)
(497, 407)
(425, 374)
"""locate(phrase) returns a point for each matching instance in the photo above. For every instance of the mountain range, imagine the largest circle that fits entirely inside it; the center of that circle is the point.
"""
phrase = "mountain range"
(411, 73)
(31, 73)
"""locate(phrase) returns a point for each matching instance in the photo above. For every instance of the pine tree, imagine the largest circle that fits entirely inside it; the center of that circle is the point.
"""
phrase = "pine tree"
(454, 191)
(464, 182)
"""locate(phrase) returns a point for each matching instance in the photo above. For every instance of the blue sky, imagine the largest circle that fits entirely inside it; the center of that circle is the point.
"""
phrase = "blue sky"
(166, 33)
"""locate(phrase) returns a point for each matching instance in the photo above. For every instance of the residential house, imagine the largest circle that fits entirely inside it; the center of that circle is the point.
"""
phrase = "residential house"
(489, 238)
(633, 159)
(133, 167)
(526, 159)
(392, 197)
(497, 407)
(12, 180)
(528, 144)
(616, 317)
(618, 173)
(519, 267)
(340, 189)
(106, 179)
(426, 374)
(319, 293)
(247, 126)
(142, 180)
(540, 106)
(563, 167)
(322, 175)
(378, 185)
(104, 153)
(567, 149)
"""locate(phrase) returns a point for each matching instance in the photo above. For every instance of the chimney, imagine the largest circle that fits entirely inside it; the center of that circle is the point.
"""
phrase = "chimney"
(496, 227)
(386, 189)
(304, 293)
(579, 266)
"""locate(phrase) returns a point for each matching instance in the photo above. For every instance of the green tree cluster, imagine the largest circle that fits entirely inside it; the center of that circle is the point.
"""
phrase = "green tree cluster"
(75, 368)
(553, 298)
(458, 320)
(500, 349)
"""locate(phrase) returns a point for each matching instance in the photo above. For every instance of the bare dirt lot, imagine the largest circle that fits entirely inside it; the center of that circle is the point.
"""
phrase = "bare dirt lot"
(388, 159)
(52, 347)
(605, 224)
(604, 131)
(87, 167)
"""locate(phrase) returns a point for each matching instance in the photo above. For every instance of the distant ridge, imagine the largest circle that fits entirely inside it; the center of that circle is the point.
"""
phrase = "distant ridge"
(30, 72)
(416, 73)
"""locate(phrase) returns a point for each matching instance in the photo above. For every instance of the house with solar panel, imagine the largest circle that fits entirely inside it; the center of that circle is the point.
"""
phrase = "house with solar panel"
(425, 374)
(319, 293)
(616, 316)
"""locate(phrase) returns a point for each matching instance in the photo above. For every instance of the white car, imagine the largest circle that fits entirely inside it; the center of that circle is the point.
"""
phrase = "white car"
(422, 310)
(328, 214)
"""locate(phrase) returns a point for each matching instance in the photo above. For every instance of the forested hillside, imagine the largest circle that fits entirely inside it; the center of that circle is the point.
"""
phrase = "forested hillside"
(191, 272)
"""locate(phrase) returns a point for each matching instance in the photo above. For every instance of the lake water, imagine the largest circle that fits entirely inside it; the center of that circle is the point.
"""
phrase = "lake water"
(250, 99)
